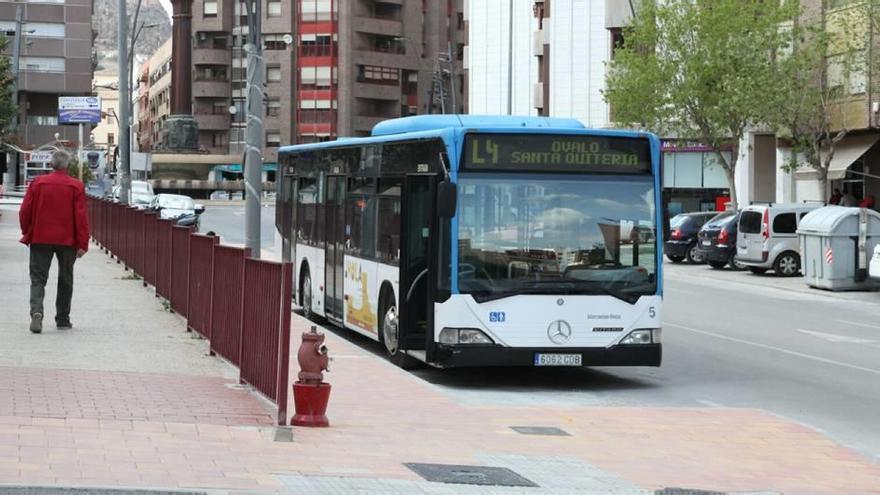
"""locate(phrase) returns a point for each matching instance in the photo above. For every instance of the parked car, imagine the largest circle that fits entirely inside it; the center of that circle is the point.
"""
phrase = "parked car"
(179, 208)
(767, 237)
(874, 266)
(717, 241)
(682, 242)
(141, 194)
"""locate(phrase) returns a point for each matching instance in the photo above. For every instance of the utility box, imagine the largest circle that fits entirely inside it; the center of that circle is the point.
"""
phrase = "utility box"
(837, 244)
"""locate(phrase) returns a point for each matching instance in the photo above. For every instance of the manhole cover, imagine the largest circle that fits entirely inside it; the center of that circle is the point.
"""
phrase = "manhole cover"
(541, 430)
(469, 475)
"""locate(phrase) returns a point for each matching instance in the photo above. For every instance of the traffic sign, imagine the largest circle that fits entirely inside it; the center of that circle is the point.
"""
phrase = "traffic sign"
(79, 109)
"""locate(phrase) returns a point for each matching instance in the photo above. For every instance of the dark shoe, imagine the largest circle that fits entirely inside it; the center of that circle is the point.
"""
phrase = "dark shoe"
(63, 325)
(36, 322)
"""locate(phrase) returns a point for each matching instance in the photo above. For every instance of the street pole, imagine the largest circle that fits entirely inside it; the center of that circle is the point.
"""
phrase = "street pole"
(16, 57)
(79, 152)
(124, 136)
(510, 60)
(253, 153)
(451, 75)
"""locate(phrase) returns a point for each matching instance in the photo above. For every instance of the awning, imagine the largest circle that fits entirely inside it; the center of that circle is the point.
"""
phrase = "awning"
(847, 151)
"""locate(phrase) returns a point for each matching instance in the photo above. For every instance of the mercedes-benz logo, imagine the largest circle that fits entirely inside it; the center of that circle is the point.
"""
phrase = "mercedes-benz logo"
(559, 332)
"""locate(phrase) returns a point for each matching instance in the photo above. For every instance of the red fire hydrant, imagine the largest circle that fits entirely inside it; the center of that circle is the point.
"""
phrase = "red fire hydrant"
(310, 393)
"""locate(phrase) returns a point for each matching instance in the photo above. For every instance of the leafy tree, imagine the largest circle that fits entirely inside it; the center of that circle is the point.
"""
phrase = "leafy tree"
(73, 171)
(829, 61)
(699, 70)
(7, 100)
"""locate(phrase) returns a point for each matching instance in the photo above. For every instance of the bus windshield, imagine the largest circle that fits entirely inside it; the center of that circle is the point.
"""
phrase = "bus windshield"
(556, 234)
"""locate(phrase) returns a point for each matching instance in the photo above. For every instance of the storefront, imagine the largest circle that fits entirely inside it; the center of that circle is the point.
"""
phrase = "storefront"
(693, 179)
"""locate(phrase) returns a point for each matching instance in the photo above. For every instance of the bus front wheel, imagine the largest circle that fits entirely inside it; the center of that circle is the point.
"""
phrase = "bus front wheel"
(389, 336)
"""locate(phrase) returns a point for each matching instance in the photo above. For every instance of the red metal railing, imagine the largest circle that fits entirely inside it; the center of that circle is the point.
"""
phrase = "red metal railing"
(180, 269)
(163, 258)
(227, 303)
(263, 357)
(241, 305)
(201, 277)
(151, 249)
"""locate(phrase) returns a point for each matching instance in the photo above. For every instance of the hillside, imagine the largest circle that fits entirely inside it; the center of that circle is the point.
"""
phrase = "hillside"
(104, 21)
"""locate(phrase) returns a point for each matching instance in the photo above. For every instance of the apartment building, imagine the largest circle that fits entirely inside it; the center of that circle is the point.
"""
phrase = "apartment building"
(363, 61)
(538, 57)
(153, 98)
(106, 133)
(56, 59)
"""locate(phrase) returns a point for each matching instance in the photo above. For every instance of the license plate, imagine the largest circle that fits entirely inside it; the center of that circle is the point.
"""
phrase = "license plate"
(558, 360)
(707, 243)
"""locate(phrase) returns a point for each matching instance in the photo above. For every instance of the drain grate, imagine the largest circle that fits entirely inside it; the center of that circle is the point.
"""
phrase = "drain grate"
(283, 434)
(686, 491)
(56, 490)
(541, 430)
(469, 475)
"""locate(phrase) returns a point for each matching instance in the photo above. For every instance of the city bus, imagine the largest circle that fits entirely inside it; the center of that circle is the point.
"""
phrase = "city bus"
(471, 241)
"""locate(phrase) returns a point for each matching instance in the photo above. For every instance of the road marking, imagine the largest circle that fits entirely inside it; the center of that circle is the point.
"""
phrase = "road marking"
(859, 324)
(778, 349)
(830, 337)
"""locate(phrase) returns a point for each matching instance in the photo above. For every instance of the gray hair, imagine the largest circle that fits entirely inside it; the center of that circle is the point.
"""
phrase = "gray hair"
(60, 160)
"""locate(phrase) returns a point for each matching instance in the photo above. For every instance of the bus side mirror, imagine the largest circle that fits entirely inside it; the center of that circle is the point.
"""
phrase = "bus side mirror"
(447, 197)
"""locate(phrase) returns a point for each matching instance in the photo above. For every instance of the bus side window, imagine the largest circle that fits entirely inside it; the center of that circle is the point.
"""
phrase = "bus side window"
(306, 221)
(360, 218)
(388, 221)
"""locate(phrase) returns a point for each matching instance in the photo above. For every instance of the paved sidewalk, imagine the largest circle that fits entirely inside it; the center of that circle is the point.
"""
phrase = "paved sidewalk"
(129, 399)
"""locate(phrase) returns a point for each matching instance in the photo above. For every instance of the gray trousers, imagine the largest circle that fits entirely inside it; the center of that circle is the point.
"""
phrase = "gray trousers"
(41, 260)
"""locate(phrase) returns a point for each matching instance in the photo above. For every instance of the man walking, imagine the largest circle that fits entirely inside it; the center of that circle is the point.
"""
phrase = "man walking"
(54, 223)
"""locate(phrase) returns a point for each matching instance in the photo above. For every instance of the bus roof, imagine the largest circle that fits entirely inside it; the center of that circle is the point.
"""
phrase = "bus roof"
(418, 123)
(444, 126)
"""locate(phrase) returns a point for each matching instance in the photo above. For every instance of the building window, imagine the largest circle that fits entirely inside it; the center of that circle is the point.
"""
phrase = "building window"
(110, 138)
(273, 73)
(220, 108)
(273, 8)
(273, 108)
(274, 42)
(211, 73)
(43, 64)
(378, 75)
(218, 139)
(209, 8)
(273, 139)
(315, 77)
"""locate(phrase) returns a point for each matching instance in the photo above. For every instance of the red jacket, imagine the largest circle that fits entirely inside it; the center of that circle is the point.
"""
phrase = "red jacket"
(54, 212)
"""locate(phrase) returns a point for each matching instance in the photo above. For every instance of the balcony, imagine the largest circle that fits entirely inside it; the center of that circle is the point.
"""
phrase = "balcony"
(373, 25)
(210, 56)
(376, 91)
(210, 89)
(212, 122)
(382, 59)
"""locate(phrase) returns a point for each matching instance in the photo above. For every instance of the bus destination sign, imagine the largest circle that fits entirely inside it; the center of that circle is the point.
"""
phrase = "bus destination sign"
(557, 153)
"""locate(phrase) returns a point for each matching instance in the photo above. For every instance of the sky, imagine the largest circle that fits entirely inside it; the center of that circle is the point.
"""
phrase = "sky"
(166, 4)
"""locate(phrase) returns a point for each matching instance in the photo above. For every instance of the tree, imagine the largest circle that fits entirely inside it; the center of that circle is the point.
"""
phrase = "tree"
(699, 70)
(830, 61)
(7, 99)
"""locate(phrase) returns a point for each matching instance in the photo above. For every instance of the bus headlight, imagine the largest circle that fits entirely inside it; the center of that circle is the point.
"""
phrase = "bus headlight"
(454, 336)
(642, 336)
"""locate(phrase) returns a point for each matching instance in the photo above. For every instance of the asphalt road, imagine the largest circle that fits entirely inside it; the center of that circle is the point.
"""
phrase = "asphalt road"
(730, 340)
(228, 222)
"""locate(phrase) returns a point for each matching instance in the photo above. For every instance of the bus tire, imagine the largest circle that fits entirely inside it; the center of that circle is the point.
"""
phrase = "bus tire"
(389, 335)
(305, 291)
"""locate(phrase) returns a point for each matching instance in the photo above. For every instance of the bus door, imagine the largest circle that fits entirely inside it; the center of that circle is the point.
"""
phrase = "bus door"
(334, 276)
(417, 274)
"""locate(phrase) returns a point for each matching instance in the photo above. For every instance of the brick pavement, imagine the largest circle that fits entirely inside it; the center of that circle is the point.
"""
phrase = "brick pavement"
(165, 415)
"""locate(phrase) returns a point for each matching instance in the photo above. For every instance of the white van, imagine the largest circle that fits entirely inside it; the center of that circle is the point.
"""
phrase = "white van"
(767, 237)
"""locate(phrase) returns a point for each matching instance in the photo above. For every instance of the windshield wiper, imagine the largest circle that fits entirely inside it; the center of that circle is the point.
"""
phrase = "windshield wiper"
(594, 287)
(554, 286)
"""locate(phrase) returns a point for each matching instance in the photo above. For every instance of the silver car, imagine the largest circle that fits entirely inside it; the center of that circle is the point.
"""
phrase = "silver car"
(767, 237)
